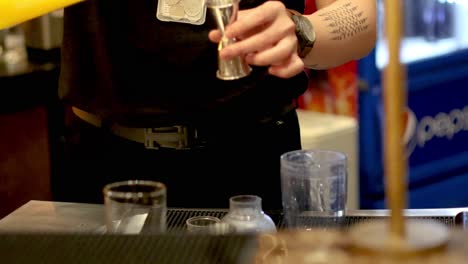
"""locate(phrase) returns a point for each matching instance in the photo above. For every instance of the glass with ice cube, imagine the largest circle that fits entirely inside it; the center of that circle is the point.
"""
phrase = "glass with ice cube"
(314, 186)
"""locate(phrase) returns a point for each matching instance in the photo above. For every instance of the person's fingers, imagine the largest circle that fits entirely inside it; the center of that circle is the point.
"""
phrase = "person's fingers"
(248, 20)
(274, 55)
(289, 68)
(215, 35)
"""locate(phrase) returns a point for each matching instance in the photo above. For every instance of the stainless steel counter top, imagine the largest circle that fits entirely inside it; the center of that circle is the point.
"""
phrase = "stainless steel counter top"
(45, 216)
(48, 216)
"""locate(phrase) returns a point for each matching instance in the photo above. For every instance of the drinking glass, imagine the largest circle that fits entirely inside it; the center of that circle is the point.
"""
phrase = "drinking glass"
(135, 207)
(314, 186)
(201, 224)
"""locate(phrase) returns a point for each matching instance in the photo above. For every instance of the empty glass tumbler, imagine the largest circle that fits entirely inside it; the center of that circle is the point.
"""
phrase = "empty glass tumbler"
(314, 187)
(246, 215)
(201, 224)
(135, 207)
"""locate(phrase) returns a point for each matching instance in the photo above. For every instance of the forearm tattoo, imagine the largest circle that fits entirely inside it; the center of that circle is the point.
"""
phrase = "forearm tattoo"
(345, 21)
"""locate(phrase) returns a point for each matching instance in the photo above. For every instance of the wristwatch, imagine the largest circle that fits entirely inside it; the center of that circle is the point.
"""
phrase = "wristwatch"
(304, 32)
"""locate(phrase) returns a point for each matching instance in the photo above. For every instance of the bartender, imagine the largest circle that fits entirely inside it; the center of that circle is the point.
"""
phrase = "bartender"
(142, 99)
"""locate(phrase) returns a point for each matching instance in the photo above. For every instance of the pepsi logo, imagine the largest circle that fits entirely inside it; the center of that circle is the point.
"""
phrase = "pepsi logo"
(442, 125)
(409, 131)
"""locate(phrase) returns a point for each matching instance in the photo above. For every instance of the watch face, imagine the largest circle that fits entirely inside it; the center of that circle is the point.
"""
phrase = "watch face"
(306, 28)
(305, 34)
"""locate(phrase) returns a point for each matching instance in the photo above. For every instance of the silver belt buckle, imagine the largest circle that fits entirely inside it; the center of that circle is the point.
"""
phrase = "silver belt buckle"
(175, 137)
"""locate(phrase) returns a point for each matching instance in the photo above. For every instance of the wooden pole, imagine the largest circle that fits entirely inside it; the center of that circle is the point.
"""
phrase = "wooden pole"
(394, 102)
(389, 238)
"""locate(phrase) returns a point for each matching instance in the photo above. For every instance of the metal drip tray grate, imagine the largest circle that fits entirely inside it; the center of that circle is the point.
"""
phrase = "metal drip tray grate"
(447, 220)
(176, 217)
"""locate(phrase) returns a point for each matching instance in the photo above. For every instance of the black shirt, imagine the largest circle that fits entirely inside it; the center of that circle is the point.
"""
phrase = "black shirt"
(122, 63)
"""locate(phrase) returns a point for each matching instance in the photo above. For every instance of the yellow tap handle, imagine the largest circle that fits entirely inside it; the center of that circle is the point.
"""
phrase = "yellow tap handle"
(13, 12)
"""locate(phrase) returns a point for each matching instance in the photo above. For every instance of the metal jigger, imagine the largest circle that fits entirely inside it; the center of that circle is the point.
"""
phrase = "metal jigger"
(224, 13)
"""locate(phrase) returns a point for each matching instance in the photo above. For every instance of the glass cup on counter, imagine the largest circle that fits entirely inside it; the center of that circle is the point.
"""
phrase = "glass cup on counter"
(314, 188)
(201, 224)
(135, 207)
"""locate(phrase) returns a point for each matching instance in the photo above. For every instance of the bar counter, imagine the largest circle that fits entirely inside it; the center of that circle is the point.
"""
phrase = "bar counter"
(56, 232)
(48, 216)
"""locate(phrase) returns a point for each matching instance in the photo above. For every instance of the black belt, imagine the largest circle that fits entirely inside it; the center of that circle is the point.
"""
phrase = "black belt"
(173, 137)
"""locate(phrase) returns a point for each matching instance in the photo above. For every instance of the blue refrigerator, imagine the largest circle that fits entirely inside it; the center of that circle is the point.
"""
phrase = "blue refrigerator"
(435, 54)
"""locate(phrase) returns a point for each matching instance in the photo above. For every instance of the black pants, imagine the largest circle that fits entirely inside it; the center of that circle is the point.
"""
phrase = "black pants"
(237, 159)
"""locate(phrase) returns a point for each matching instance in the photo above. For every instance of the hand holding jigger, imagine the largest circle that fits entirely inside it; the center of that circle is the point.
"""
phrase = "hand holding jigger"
(224, 13)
